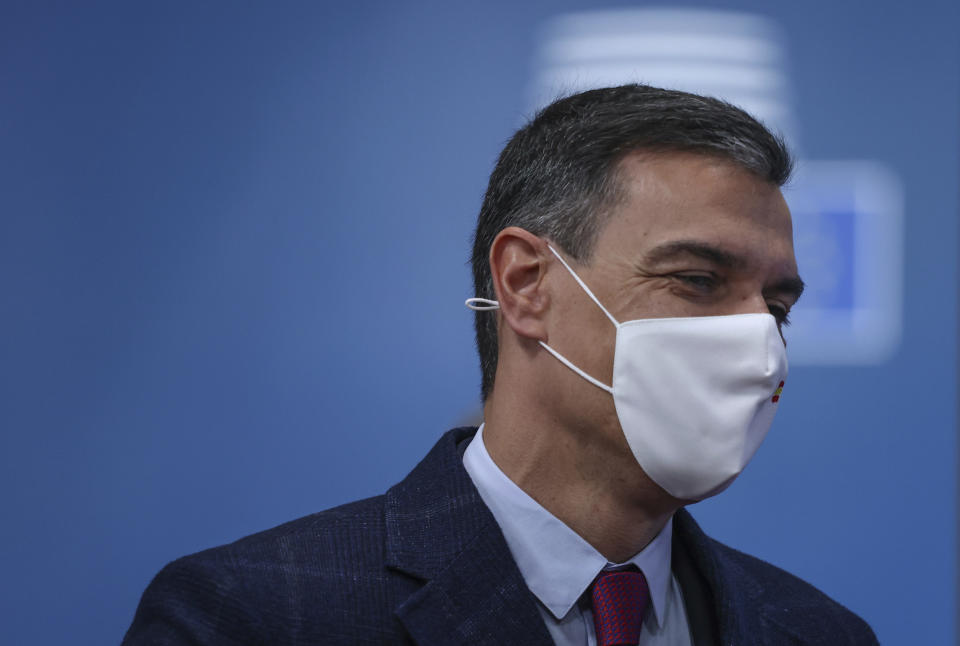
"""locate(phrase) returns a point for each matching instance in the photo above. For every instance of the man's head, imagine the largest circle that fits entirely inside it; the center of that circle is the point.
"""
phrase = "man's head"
(566, 174)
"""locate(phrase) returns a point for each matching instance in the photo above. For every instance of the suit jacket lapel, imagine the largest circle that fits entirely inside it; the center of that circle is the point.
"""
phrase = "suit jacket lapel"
(479, 598)
(743, 616)
(439, 531)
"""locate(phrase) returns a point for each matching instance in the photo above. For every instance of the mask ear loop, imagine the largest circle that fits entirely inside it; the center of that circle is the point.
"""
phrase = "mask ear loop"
(478, 304)
(562, 359)
(583, 285)
(481, 304)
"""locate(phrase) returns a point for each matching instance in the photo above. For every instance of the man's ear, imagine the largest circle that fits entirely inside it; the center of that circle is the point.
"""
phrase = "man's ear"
(518, 261)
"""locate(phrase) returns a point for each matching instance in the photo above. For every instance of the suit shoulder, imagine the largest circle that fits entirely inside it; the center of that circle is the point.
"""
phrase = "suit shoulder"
(355, 528)
(795, 605)
(288, 578)
(345, 542)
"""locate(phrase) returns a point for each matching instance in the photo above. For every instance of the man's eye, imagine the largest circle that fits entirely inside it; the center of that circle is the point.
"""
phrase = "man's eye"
(702, 282)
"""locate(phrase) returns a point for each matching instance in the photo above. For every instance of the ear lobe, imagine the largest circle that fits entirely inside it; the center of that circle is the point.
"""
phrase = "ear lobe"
(517, 265)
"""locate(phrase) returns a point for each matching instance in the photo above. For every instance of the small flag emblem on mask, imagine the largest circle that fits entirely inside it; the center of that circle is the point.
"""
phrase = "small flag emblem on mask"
(777, 393)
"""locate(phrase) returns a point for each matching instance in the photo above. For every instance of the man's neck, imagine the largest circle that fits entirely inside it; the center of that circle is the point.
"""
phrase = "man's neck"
(602, 495)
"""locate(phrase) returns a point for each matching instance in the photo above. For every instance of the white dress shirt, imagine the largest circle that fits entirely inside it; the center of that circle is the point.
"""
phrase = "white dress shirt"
(558, 565)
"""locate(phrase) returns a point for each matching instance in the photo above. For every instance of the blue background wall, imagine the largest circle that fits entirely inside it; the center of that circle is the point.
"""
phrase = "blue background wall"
(233, 240)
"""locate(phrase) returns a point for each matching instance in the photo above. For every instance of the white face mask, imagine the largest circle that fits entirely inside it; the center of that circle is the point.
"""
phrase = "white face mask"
(694, 396)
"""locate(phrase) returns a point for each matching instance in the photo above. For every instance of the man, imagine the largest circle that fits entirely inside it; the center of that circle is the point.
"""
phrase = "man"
(634, 266)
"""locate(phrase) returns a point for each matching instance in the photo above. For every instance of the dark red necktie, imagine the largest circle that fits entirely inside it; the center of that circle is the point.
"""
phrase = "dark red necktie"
(619, 601)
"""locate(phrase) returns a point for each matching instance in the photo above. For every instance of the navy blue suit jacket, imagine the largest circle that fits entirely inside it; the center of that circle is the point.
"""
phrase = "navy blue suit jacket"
(426, 563)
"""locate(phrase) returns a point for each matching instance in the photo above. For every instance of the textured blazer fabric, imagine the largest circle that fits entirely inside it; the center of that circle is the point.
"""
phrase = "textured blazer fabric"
(426, 563)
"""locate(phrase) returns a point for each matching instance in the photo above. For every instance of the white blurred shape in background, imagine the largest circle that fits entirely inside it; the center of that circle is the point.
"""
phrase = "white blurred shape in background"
(848, 215)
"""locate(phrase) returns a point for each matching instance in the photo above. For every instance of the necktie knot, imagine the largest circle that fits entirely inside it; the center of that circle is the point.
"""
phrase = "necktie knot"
(620, 598)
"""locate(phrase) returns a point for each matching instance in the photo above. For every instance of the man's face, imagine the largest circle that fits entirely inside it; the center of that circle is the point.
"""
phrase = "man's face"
(693, 236)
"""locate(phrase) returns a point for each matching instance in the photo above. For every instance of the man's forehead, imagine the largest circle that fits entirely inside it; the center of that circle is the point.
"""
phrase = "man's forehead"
(685, 182)
(669, 197)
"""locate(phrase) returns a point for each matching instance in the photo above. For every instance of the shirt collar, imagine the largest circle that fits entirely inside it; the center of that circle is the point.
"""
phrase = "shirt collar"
(556, 563)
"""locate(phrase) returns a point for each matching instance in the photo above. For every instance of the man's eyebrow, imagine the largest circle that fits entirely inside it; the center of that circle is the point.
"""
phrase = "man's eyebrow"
(793, 285)
(670, 250)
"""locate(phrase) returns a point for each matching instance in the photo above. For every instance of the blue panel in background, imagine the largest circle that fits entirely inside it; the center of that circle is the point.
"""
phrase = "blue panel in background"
(848, 218)
(835, 230)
